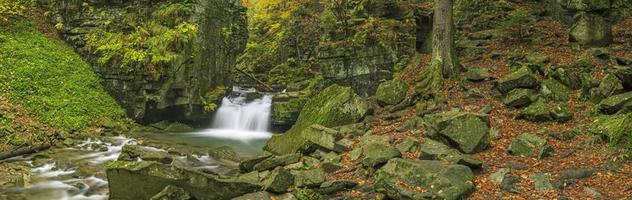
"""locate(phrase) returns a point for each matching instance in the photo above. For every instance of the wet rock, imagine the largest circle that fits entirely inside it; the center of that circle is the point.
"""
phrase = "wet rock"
(440, 180)
(468, 132)
(150, 178)
(279, 180)
(536, 112)
(477, 74)
(391, 92)
(309, 178)
(158, 156)
(334, 106)
(224, 153)
(376, 154)
(178, 127)
(530, 145)
(172, 193)
(576, 174)
(408, 144)
(522, 78)
(331, 187)
(276, 161)
(541, 182)
(614, 103)
(130, 153)
(248, 164)
(554, 90)
(520, 97)
(434, 150)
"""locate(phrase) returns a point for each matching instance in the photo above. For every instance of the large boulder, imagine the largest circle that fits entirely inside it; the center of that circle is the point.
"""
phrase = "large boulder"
(334, 106)
(614, 103)
(143, 180)
(468, 132)
(279, 180)
(530, 145)
(610, 85)
(521, 78)
(591, 29)
(391, 92)
(441, 181)
(285, 113)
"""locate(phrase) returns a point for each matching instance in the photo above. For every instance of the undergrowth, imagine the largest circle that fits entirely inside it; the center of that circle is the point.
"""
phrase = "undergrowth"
(50, 80)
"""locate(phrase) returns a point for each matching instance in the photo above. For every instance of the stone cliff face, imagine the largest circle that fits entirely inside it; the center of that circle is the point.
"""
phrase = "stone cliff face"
(159, 59)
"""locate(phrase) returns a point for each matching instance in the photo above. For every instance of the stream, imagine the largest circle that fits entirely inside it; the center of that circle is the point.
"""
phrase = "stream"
(78, 172)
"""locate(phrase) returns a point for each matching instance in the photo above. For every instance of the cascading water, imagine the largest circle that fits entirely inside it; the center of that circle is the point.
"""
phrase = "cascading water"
(240, 119)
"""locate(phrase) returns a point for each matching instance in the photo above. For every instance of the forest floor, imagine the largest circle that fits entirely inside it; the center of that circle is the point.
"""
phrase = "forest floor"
(613, 173)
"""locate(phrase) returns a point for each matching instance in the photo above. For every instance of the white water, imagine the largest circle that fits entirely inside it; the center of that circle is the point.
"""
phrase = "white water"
(238, 119)
(53, 182)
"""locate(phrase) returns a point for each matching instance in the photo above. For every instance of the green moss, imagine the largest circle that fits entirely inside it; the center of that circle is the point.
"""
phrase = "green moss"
(51, 81)
(615, 128)
(334, 106)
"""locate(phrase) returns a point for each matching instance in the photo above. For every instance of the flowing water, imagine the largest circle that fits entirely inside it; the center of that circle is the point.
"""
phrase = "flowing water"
(78, 172)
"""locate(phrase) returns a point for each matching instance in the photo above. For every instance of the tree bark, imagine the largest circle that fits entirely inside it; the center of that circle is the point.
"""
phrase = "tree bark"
(443, 38)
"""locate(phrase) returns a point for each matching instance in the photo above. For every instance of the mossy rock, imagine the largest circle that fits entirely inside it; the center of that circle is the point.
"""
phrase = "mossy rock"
(536, 112)
(178, 127)
(522, 78)
(441, 181)
(224, 153)
(435, 150)
(279, 180)
(468, 132)
(391, 92)
(520, 97)
(334, 106)
(477, 74)
(614, 103)
(554, 90)
(530, 145)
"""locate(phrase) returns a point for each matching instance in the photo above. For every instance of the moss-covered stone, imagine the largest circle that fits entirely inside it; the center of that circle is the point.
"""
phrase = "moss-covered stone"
(172, 193)
(376, 154)
(150, 178)
(276, 161)
(224, 153)
(530, 145)
(330, 187)
(285, 114)
(334, 106)
(468, 132)
(391, 92)
(554, 90)
(408, 144)
(248, 164)
(591, 29)
(614, 103)
(309, 178)
(536, 112)
(522, 78)
(279, 180)
(178, 127)
(616, 128)
(450, 182)
(520, 97)
(610, 85)
(477, 74)
(158, 156)
(434, 150)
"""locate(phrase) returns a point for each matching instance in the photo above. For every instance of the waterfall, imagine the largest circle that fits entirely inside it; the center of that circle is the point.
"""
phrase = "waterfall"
(241, 119)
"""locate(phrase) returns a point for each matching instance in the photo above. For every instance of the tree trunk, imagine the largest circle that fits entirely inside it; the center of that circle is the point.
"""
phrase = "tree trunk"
(443, 38)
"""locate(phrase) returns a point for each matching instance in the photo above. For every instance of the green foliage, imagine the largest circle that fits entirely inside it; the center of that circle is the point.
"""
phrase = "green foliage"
(13, 9)
(307, 194)
(152, 44)
(51, 81)
(212, 97)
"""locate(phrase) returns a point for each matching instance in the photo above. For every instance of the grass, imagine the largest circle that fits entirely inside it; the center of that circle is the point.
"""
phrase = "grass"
(51, 81)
